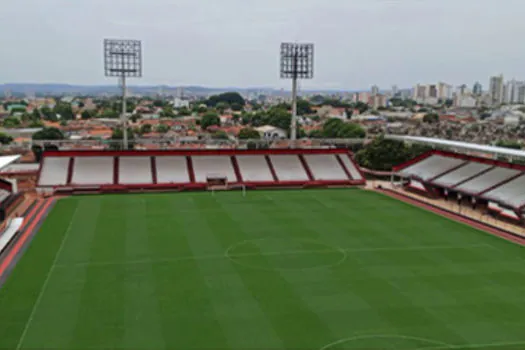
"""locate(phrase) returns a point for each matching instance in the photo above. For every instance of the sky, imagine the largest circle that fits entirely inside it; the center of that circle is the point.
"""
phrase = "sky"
(235, 43)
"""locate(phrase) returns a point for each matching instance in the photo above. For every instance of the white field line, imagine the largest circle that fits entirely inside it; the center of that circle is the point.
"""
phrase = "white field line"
(46, 282)
(294, 252)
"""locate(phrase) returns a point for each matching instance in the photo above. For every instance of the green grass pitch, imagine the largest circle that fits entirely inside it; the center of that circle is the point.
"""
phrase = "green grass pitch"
(312, 269)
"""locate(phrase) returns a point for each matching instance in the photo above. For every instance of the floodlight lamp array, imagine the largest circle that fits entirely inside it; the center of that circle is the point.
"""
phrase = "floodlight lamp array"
(297, 61)
(122, 58)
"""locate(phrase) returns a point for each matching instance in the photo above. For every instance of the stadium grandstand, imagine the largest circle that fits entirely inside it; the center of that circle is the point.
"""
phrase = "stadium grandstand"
(157, 248)
(469, 173)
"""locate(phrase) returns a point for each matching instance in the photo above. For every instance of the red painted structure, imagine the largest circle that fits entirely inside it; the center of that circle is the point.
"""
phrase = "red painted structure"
(192, 185)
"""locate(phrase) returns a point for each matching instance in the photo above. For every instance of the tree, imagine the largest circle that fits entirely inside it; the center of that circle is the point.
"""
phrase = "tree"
(210, 119)
(110, 114)
(49, 134)
(236, 107)
(331, 128)
(383, 154)
(228, 98)
(184, 112)
(5, 139)
(304, 107)
(158, 103)
(11, 122)
(36, 114)
(431, 118)
(64, 110)
(351, 131)
(202, 109)
(48, 114)
(222, 106)
(87, 114)
(135, 117)
(36, 124)
(279, 117)
(220, 135)
(249, 134)
(316, 134)
(16, 110)
(508, 144)
(145, 128)
(163, 128)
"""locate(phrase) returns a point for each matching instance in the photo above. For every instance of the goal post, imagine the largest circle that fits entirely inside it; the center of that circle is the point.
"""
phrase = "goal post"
(218, 182)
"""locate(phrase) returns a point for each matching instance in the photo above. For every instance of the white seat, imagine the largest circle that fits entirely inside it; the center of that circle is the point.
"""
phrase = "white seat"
(134, 170)
(288, 167)
(93, 171)
(172, 169)
(217, 165)
(487, 180)
(351, 167)
(461, 174)
(254, 168)
(54, 171)
(325, 167)
(431, 167)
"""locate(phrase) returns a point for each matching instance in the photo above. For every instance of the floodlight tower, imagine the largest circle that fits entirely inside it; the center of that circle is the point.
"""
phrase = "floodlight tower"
(297, 62)
(123, 58)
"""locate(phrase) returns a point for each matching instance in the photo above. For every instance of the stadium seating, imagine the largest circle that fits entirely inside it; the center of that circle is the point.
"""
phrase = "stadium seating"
(204, 166)
(511, 193)
(325, 167)
(254, 168)
(351, 167)
(119, 171)
(135, 170)
(172, 169)
(54, 171)
(93, 170)
(288, 167)
(487, 180)
(461, 174)
(431, 167)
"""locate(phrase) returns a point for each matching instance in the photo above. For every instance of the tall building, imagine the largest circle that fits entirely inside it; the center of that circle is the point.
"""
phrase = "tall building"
(395, 90)
(374, 90)
(444, 91)
(496, 89)
(508, 91)
(477, 89)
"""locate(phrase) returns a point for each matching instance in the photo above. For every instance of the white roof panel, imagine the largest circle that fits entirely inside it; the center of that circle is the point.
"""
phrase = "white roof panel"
(460, 145)
(6, 160)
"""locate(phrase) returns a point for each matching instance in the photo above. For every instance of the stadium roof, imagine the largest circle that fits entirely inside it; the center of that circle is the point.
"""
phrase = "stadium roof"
(461, 146)
(6, 160)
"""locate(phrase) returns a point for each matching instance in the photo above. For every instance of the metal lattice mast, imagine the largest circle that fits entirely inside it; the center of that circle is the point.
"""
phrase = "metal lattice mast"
(123, 58)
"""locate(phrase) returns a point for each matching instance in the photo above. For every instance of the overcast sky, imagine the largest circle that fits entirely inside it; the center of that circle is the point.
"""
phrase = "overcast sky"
(236, 42)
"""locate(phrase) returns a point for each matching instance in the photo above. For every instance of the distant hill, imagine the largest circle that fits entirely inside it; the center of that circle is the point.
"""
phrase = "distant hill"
(67, 89)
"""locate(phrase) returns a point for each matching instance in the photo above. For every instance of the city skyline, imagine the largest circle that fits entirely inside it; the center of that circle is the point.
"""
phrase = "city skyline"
(231, 43)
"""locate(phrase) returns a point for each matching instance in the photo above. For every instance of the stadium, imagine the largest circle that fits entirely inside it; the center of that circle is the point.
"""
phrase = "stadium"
(293, 248)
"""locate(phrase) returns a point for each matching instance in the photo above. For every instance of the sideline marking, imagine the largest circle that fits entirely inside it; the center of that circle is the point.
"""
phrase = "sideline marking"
(46, 282)
(241, 255)
(431, 342)
(26, 230)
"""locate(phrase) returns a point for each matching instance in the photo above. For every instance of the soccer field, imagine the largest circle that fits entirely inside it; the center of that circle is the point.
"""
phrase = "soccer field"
(312, 269)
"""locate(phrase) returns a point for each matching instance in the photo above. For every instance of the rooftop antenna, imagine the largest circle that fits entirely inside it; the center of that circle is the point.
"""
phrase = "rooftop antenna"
(297, 62)
(123, 58)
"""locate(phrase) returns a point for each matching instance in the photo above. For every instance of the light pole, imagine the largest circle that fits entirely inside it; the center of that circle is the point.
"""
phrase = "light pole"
(123, 58)
(297, 62)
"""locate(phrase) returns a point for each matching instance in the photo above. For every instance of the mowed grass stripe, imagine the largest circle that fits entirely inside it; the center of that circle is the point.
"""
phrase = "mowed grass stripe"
(64, 296)
(20, 291)
(188, 320)
(242, 320)
(277, 297)
(143, 328)
(100, 319)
